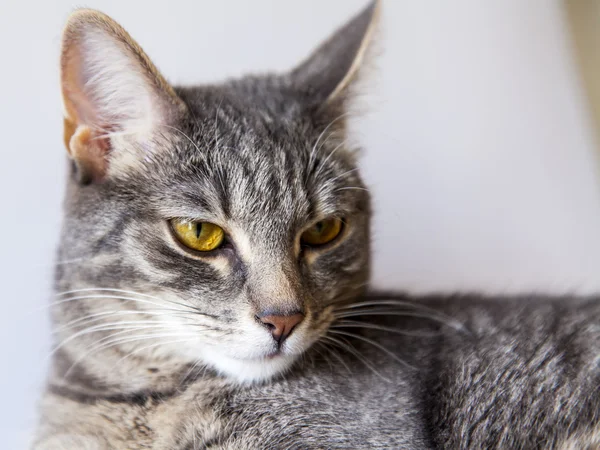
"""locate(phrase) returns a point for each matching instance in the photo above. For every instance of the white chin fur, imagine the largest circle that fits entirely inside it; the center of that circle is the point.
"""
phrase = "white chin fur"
(248, 370)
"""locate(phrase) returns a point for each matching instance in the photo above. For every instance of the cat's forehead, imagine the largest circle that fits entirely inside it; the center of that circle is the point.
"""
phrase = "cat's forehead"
(248, 148)
(251, 110)
(261, 172)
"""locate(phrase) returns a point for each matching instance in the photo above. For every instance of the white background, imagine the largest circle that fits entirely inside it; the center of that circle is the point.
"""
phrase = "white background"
(478, 147)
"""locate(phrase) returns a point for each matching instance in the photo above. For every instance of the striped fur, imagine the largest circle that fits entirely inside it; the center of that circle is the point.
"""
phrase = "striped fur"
(157, 347)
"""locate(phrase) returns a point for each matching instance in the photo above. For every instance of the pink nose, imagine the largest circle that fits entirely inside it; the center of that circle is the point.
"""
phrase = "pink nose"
(281, 326)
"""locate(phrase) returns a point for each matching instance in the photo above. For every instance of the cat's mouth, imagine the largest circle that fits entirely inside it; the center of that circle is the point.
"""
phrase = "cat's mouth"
(273, 355)
(268, 356)
(250, 368)
(256, 356)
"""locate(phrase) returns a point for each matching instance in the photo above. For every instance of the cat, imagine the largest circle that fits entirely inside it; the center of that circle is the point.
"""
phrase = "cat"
(220, 295)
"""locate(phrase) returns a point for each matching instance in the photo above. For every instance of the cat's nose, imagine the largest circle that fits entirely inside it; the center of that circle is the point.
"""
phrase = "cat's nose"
(281, 325)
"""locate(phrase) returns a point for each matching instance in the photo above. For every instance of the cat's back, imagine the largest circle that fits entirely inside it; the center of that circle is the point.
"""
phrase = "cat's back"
(525, 375)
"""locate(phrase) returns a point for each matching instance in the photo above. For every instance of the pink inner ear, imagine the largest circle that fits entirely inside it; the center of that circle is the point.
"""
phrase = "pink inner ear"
(86, 141)
(78, 104)
(84, 133)
(109, 86)
(90, 152)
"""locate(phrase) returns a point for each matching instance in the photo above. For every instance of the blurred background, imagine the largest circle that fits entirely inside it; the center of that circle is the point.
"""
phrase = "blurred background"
(479, 127)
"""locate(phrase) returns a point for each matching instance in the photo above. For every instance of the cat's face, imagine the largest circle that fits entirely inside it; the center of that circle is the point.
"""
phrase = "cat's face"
(211, 226)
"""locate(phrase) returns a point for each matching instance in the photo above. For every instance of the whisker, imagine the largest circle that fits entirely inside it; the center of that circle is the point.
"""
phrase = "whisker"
(374, 344)
(102, 315)
(216, 129)
(121, 325)
(95, 345)
(101, 289)
(122, 298)
(336, 356)
(106, 327)
(148, 347)
(382, 312)
(184, 135)
(324, 356)
(322, 165)
(413, 305)
(314, 149)
(416, 306)
(387, 303)
(139, 294)
(349, 188)
(126, 340)
(124, 322)
(346, 346)
(357, 324)
(189, 372)
(331, 180)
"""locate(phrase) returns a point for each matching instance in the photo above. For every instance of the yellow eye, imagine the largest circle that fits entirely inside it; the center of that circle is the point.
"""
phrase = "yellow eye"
(200, 236)
(322, 232)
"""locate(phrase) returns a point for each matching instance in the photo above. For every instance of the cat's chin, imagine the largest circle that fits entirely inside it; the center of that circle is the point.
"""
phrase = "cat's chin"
(247, 371)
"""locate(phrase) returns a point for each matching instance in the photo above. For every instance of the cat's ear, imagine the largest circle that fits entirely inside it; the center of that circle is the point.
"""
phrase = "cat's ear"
(112, 93)
(329, 73)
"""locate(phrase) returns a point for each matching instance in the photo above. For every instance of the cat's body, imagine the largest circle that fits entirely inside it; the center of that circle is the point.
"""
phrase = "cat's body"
(213, 266)
(522, 373)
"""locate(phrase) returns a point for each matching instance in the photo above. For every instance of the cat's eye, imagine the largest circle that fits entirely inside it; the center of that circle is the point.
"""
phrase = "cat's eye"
(199, 236)
(322, 232)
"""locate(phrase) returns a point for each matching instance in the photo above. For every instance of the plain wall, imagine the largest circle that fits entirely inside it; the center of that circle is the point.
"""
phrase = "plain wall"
(477, 146)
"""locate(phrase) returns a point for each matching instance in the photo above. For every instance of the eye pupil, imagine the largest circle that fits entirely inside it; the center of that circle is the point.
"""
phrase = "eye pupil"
(200, 236)
(322, 232)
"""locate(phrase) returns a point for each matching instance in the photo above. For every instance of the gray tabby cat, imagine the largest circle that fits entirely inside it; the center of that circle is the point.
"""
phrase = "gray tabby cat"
(219, 301)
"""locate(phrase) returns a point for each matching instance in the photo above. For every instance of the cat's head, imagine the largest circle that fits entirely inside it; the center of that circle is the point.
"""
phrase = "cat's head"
(210, 226)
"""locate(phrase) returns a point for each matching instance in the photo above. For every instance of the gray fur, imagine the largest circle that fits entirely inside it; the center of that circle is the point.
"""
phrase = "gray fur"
(267, 155)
